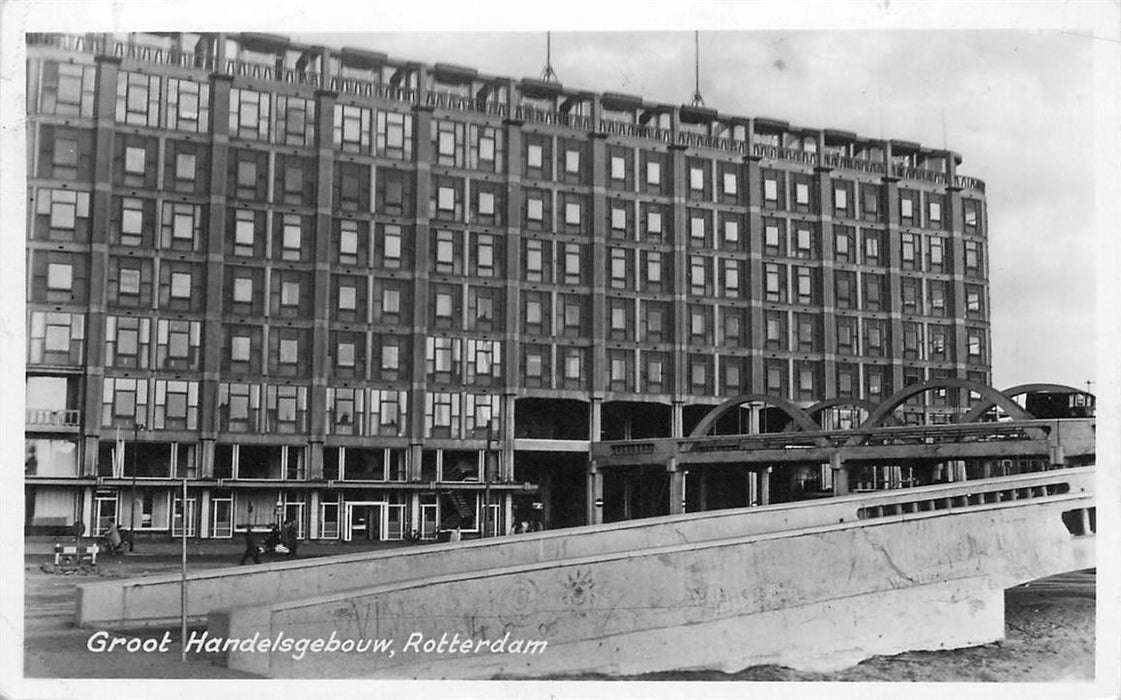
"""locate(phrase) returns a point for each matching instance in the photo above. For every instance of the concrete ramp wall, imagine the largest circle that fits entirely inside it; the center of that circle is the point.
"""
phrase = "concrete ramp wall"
(820, 597)
(155, 600)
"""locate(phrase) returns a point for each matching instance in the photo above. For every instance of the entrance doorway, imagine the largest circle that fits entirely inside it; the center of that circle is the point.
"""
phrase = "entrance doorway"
(366, 521)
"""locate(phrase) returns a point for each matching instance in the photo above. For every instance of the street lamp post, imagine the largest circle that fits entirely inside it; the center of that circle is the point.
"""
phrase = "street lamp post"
(136, 428)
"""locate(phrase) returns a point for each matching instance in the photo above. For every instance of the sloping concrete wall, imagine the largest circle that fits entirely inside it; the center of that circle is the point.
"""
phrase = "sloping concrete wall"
(155, 600)
(815, 598)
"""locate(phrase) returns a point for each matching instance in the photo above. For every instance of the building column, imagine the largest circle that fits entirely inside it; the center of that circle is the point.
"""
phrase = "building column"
(101, 202)
(422, 154)
(414, 511)
(824, 182)
(86, 513)
(890, 207)
(840, 474)
(204, 514)
(753, 185)
(321, 295)
(765, 486)
(595, 418)
(676, 487)
(313, 514)
(215, 233)
(677, 418)
(206, 458)
(595, 493)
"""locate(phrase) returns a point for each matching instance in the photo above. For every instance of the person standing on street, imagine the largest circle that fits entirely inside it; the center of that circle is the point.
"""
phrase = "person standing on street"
(289, 538)
(251, 549)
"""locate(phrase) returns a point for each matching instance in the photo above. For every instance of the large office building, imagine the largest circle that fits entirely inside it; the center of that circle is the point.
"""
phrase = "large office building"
(380, 296)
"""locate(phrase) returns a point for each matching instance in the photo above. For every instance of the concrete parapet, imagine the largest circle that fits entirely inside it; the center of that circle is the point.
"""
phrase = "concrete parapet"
(155, 600)
(815, 598)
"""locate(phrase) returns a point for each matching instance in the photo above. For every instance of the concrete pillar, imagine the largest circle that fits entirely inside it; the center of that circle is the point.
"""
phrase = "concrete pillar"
(595, 417)
(595, 493)
(701, 476)
(676, 487)
(840, 475)
(320, 343)
(414, 511)
(828, 386)
(422, 154)
(214, 247)
(204, 514)
(890, 207)
(765, 486)
(508, 512)
(313, 514)
(677, 418)
(86, 513)
(1085, 513)
(101, 201)
(206, 458)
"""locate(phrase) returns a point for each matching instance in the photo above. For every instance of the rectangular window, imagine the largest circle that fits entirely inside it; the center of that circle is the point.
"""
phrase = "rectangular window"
(61, 276)
(534, 155)
(486, 203)
(696, 179)
(731, 231)
(289, 293)
(618, 219)
(249, 114)
(446, 199)
(352, 128)
(618, 268)
(841, 199)
(243, 290)
(906, 210)
(572, 162)
(395, 135)
(802, 193)
(535, 209)
(618, 168)
(138, 99)
(572, 213)
(770, 190)
(653, 173)
(67, 89)
(697, 228)
(731, 184)
(180, 285)
(188, 105)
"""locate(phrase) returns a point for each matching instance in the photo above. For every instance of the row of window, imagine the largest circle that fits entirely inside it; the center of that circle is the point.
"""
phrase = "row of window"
(60, 212)
(67, 89)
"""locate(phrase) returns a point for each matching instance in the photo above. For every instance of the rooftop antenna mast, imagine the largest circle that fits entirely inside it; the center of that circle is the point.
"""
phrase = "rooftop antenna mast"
(697, 100)
(549, 75)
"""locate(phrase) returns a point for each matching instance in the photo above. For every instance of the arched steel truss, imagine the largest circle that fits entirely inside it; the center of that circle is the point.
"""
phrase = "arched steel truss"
(884, 413)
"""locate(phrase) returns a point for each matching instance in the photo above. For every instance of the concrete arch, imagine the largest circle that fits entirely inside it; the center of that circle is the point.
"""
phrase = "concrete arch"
(888, 406)
(980, 409)
(817, 408)
(796, 414)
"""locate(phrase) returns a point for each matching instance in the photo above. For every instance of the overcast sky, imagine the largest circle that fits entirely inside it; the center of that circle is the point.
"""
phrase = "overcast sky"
(1018, 105)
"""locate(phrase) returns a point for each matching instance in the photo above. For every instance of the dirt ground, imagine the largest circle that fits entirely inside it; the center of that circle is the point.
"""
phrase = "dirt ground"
(1049, 624)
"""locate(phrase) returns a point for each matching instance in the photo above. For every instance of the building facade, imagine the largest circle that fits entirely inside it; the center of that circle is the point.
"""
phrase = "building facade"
(380, 296)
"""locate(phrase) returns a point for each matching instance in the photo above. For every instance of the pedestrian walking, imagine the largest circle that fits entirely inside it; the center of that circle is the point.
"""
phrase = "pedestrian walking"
(290, 540)
(251, 548)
